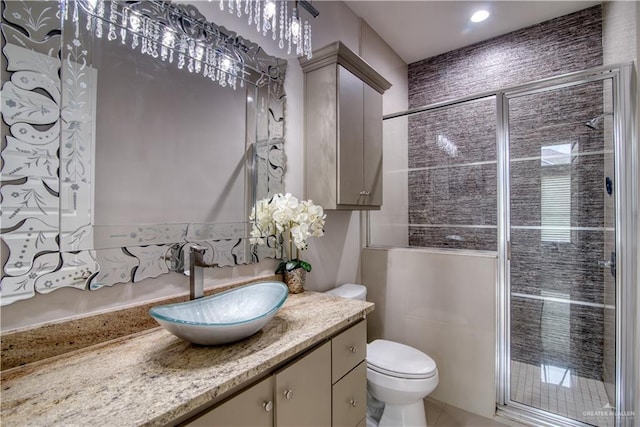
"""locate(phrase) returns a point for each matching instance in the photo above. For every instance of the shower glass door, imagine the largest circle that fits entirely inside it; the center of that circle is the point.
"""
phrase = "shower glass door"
(561, 246)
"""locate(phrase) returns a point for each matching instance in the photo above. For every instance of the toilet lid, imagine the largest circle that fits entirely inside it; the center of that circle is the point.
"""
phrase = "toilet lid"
(349, 291)
(399, 360)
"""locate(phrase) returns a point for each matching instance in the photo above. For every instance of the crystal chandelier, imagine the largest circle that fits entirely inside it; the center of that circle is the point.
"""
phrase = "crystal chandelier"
(174, 33)
(278, 18)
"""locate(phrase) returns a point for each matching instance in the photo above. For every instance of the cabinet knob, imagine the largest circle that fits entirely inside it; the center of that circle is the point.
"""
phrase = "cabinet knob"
(268, 406)
(353, 402)
(288, 394)
(353, 349)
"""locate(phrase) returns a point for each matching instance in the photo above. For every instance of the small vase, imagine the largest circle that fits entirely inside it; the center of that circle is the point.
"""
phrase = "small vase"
(295, 280)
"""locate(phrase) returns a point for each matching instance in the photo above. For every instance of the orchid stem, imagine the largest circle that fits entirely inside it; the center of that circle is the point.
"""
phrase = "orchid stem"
(290, 244)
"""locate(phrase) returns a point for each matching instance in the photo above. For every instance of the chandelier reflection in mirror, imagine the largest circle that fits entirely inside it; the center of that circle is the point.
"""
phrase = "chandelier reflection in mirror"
(276, 17)
(178, 33)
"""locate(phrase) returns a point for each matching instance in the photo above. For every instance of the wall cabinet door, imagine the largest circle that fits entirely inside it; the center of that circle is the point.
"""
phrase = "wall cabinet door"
(251, 408)
(372, 146)
(303, 391)
(350, 138)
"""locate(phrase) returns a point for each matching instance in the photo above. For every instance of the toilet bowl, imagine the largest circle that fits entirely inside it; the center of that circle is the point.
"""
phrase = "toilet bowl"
(399, 377)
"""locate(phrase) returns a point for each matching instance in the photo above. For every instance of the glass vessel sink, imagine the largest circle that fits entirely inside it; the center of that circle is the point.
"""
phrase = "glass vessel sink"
(224, 317)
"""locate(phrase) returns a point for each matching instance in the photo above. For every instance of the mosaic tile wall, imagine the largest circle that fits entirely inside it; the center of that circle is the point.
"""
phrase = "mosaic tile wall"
(453, 186)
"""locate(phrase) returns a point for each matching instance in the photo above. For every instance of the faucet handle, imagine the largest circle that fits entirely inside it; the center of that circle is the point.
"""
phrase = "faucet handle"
(196, 248)
(196, 253)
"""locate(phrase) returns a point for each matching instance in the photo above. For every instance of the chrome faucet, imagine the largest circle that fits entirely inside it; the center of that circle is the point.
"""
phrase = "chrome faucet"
(196, 265)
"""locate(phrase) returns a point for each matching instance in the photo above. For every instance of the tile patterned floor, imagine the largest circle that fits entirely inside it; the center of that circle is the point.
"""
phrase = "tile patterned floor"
(440, 414)
(561, 393)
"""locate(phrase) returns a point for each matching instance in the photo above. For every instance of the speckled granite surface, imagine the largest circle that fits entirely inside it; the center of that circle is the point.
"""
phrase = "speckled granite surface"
(154, 378)
(28, 346)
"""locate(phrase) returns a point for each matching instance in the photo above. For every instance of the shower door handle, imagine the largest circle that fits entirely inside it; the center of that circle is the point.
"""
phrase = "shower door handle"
(611, 264)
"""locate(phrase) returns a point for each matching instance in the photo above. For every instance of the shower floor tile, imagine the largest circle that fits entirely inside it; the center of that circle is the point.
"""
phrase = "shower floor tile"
(561, 392)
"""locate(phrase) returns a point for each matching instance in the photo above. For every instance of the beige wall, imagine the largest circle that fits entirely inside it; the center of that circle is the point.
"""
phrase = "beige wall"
(443, 304)
(339, 251)
(389, 225)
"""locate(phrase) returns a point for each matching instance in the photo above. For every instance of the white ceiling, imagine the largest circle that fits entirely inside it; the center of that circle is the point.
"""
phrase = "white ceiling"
(421, 29)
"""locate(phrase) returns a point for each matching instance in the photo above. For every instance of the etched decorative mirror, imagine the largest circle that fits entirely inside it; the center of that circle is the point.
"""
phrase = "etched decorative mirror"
(130, 129)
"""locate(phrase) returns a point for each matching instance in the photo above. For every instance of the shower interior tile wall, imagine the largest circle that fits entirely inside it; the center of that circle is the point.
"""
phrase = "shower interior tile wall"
(452, 199)
(571, 336)
(558, 336)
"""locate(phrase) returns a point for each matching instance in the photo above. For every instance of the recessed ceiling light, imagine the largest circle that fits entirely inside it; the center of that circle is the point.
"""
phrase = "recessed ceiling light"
(479, 16)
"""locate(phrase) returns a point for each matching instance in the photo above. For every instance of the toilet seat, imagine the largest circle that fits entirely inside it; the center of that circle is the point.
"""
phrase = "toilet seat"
(399, 360)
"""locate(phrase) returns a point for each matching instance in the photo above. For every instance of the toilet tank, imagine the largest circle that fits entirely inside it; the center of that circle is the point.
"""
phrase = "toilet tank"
(349, 291)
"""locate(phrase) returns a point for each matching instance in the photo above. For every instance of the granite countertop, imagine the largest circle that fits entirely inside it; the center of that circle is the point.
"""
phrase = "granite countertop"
(154, 378)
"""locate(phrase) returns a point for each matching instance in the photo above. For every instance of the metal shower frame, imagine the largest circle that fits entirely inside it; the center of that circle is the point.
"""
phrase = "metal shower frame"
(626, 203)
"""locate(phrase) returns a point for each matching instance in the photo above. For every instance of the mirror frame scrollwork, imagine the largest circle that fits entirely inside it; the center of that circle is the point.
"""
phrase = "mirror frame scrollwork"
(43, 171)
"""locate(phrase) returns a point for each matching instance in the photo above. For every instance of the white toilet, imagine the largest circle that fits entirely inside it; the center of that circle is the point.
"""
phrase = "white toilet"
(399, 377)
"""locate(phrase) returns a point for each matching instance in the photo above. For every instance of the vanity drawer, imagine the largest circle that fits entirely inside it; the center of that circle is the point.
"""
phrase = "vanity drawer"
(350, 398)
(251, 408)
(348, 349)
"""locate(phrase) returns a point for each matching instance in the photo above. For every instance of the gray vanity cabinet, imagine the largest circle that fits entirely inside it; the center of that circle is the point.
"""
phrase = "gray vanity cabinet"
(343, 129)
(324, 387)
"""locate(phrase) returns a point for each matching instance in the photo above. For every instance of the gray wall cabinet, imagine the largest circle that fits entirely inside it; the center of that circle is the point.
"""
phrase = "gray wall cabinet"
(343, 129)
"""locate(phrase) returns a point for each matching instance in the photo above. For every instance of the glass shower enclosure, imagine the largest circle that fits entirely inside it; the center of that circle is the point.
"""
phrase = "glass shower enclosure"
(562, 251)
(563, 182)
